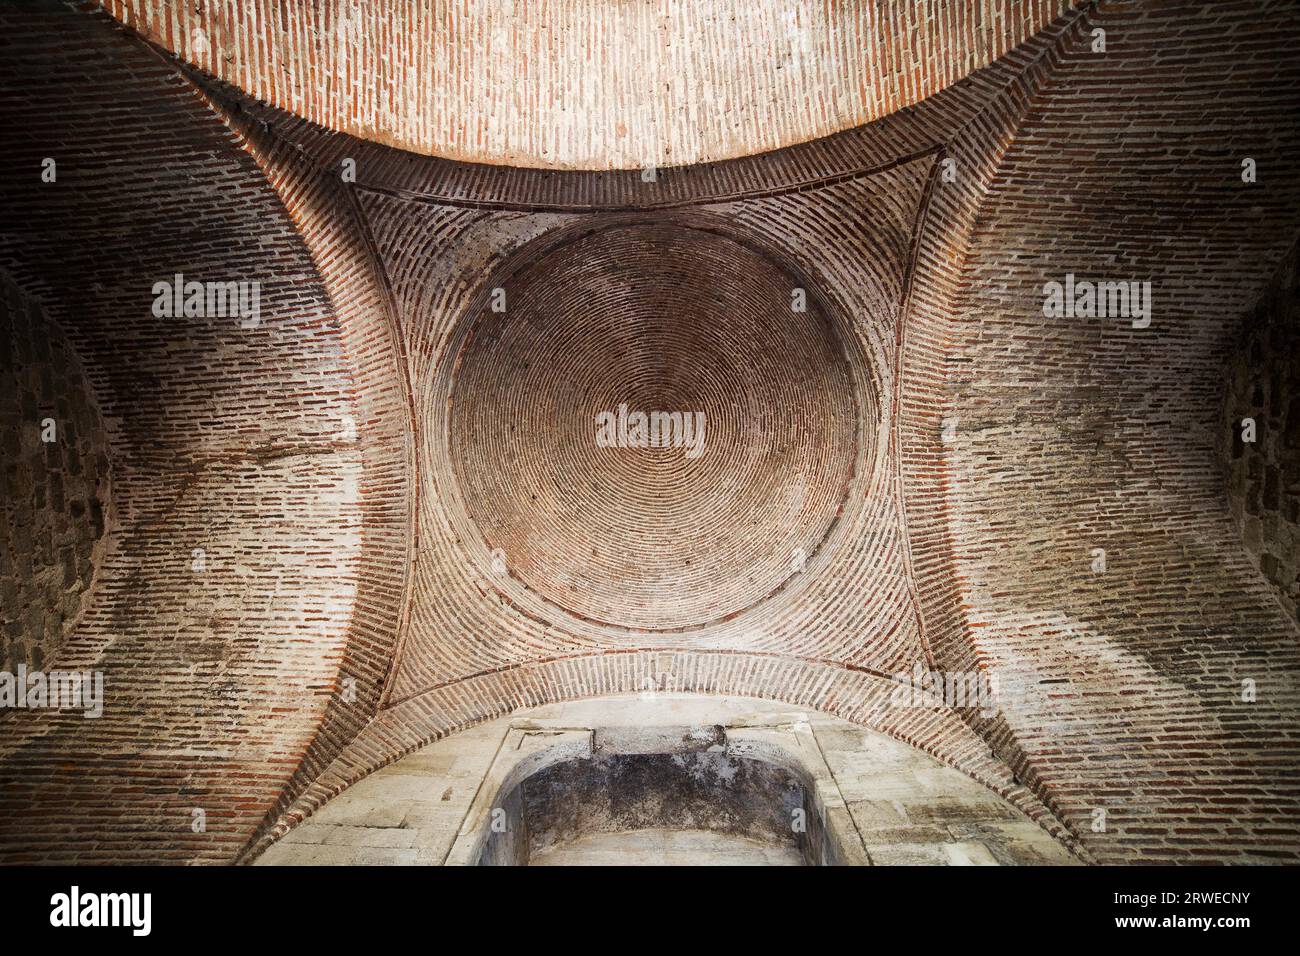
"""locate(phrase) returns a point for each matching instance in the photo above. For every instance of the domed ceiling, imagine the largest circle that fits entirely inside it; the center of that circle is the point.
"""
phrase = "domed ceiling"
(411, 494)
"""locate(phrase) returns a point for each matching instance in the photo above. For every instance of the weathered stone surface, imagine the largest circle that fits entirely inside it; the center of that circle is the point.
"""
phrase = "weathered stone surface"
(56, 492)
(644, 800)
(1263, 476)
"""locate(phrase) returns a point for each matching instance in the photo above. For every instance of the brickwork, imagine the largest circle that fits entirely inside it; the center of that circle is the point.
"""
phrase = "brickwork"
(1263, 475)
(324, 552)
(490, 81)
(229, 589)
(706, 332)
(1125, 681)
(380, 426)
(435, 254)
(443, 231)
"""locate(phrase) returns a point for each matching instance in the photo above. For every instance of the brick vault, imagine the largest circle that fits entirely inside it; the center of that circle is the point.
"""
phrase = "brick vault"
(303, 540)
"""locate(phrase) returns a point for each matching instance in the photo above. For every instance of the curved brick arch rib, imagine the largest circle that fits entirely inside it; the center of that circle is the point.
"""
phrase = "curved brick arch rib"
(331, 226)
(892, 140)
(1110, 430)
(751, 79)
(928, 418)
(851, 695)
(234, 571)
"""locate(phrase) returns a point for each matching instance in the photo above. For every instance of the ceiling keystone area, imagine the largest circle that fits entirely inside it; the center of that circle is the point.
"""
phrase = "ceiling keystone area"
(927, 189)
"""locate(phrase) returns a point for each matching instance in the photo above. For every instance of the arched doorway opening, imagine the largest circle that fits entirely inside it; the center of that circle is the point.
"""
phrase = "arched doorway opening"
(667, 779)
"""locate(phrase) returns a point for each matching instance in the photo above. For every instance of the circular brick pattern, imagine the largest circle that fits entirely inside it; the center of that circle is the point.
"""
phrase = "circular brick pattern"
(656, 318)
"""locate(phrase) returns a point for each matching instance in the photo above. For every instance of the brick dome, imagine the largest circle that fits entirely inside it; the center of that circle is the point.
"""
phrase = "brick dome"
(492, 81)
(652, 531)
(382, 514)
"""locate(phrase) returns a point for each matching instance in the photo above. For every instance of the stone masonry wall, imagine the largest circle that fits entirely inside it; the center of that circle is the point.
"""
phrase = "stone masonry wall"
(1263, 476)
(54, 493)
